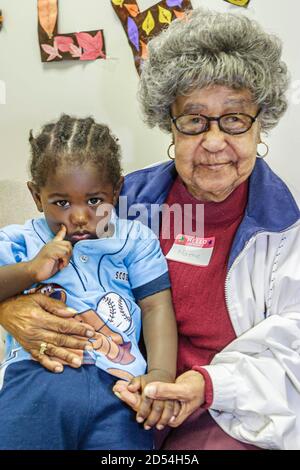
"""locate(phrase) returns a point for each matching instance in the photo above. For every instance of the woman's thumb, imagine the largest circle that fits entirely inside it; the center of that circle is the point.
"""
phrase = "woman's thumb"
(163, 391)
(57, 307)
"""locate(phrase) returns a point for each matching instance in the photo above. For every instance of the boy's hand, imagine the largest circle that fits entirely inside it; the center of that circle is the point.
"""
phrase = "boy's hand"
(153, 412)
(52, 258)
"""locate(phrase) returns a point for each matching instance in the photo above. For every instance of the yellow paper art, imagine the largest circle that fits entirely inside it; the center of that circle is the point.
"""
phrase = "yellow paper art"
(164, 15)
(239, 3)
(149, 23)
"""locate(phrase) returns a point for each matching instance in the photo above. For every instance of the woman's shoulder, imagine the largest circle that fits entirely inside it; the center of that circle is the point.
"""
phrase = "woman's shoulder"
(149, 185)
(150, 171)
(272, 202)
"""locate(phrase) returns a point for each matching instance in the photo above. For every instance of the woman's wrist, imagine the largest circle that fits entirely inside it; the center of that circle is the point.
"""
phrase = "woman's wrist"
(6, 307)
(3, 307)
(208, 391)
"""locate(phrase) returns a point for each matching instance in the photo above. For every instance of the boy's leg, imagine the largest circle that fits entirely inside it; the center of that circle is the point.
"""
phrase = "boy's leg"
(42, 410)
(112, 424)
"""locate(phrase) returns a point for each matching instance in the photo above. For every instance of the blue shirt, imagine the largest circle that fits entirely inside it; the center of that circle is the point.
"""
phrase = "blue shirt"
(103, 282)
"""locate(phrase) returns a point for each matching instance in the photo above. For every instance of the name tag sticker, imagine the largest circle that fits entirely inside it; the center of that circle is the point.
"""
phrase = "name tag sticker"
(192, 250)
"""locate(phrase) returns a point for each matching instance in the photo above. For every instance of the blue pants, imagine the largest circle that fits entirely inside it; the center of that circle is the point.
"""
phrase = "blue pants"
(72, 410)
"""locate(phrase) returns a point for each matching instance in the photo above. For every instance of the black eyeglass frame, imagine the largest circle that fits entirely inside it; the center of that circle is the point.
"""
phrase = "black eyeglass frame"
(214, 118)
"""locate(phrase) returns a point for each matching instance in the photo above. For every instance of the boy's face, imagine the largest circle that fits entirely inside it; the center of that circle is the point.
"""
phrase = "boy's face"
(78, 198)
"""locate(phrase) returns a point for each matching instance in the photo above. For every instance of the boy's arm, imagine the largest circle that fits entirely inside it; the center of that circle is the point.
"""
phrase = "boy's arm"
(14, 279)
(160, 333)
(54, 256)
(160, 336)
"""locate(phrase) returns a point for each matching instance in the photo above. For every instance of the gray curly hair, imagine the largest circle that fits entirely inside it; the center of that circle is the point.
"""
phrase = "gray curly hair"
(210, 48)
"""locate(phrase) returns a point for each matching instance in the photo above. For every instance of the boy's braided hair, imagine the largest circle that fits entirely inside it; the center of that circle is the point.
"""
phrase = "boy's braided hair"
(74, 141)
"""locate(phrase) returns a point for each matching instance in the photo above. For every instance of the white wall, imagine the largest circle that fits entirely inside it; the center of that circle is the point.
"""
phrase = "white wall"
(36, 92)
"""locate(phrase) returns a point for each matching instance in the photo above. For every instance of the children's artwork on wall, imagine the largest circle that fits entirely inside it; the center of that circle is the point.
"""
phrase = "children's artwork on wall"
(239, 3)
(1, 20)
(140, 27)
(73, 46)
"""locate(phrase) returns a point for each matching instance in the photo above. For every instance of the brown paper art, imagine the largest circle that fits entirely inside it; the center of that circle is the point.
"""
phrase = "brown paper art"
(140, 27)
(74, 46)
(239, 3)
(1, 20)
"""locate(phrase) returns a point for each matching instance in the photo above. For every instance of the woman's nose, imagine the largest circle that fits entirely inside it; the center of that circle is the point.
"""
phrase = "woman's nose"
(214, 140)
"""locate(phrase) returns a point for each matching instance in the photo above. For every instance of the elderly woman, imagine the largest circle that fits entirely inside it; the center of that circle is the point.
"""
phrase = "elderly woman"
(216, 82)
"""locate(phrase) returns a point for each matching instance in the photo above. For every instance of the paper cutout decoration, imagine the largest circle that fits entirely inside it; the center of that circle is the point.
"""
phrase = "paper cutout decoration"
(239, 3)
(140, 27)
(1, 20)
(74, 46)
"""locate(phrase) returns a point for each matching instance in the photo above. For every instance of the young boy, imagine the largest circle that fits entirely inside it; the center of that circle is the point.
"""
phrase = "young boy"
(110, 271)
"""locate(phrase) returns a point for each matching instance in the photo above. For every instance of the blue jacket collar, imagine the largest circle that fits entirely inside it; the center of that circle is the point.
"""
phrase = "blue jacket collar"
(271, 206)
(150, 185)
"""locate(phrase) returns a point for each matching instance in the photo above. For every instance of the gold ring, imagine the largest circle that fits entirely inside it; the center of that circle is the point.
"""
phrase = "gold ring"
(43, 348)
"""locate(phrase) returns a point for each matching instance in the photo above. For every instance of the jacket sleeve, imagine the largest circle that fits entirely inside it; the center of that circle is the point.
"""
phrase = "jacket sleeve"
(256, 378)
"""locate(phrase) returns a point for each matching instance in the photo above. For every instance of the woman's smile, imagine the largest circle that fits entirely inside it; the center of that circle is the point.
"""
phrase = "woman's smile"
(215, 166)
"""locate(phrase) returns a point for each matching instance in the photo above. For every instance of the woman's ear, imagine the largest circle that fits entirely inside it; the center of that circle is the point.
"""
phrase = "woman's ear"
(117, 189)
(35, 193)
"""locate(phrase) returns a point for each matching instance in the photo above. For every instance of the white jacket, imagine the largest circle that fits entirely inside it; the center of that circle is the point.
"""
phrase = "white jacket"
(256, 378)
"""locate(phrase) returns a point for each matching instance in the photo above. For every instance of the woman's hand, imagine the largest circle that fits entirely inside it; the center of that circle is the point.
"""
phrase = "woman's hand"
(152, 412)
(35, 319)
(188, 390)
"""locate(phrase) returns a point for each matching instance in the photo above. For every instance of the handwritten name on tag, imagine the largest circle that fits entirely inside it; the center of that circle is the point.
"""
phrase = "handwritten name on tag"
(192, 250)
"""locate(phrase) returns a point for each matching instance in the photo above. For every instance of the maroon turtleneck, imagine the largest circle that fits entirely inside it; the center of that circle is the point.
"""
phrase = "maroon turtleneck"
(204, 326)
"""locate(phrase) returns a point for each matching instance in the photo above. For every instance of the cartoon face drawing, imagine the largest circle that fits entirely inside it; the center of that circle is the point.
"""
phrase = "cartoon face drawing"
(54, 291)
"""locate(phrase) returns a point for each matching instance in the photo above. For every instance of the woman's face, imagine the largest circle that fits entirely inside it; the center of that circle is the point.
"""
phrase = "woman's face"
(213, 164)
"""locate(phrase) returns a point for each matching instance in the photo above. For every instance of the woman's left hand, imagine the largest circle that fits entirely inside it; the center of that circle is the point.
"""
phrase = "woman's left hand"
(188, 390)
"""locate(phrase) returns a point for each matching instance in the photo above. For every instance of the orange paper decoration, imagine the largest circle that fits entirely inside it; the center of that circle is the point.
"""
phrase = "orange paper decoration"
(73, 46)
(48, 12)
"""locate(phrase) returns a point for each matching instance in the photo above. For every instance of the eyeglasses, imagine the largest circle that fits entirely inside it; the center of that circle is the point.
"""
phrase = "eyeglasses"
(231, 123)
